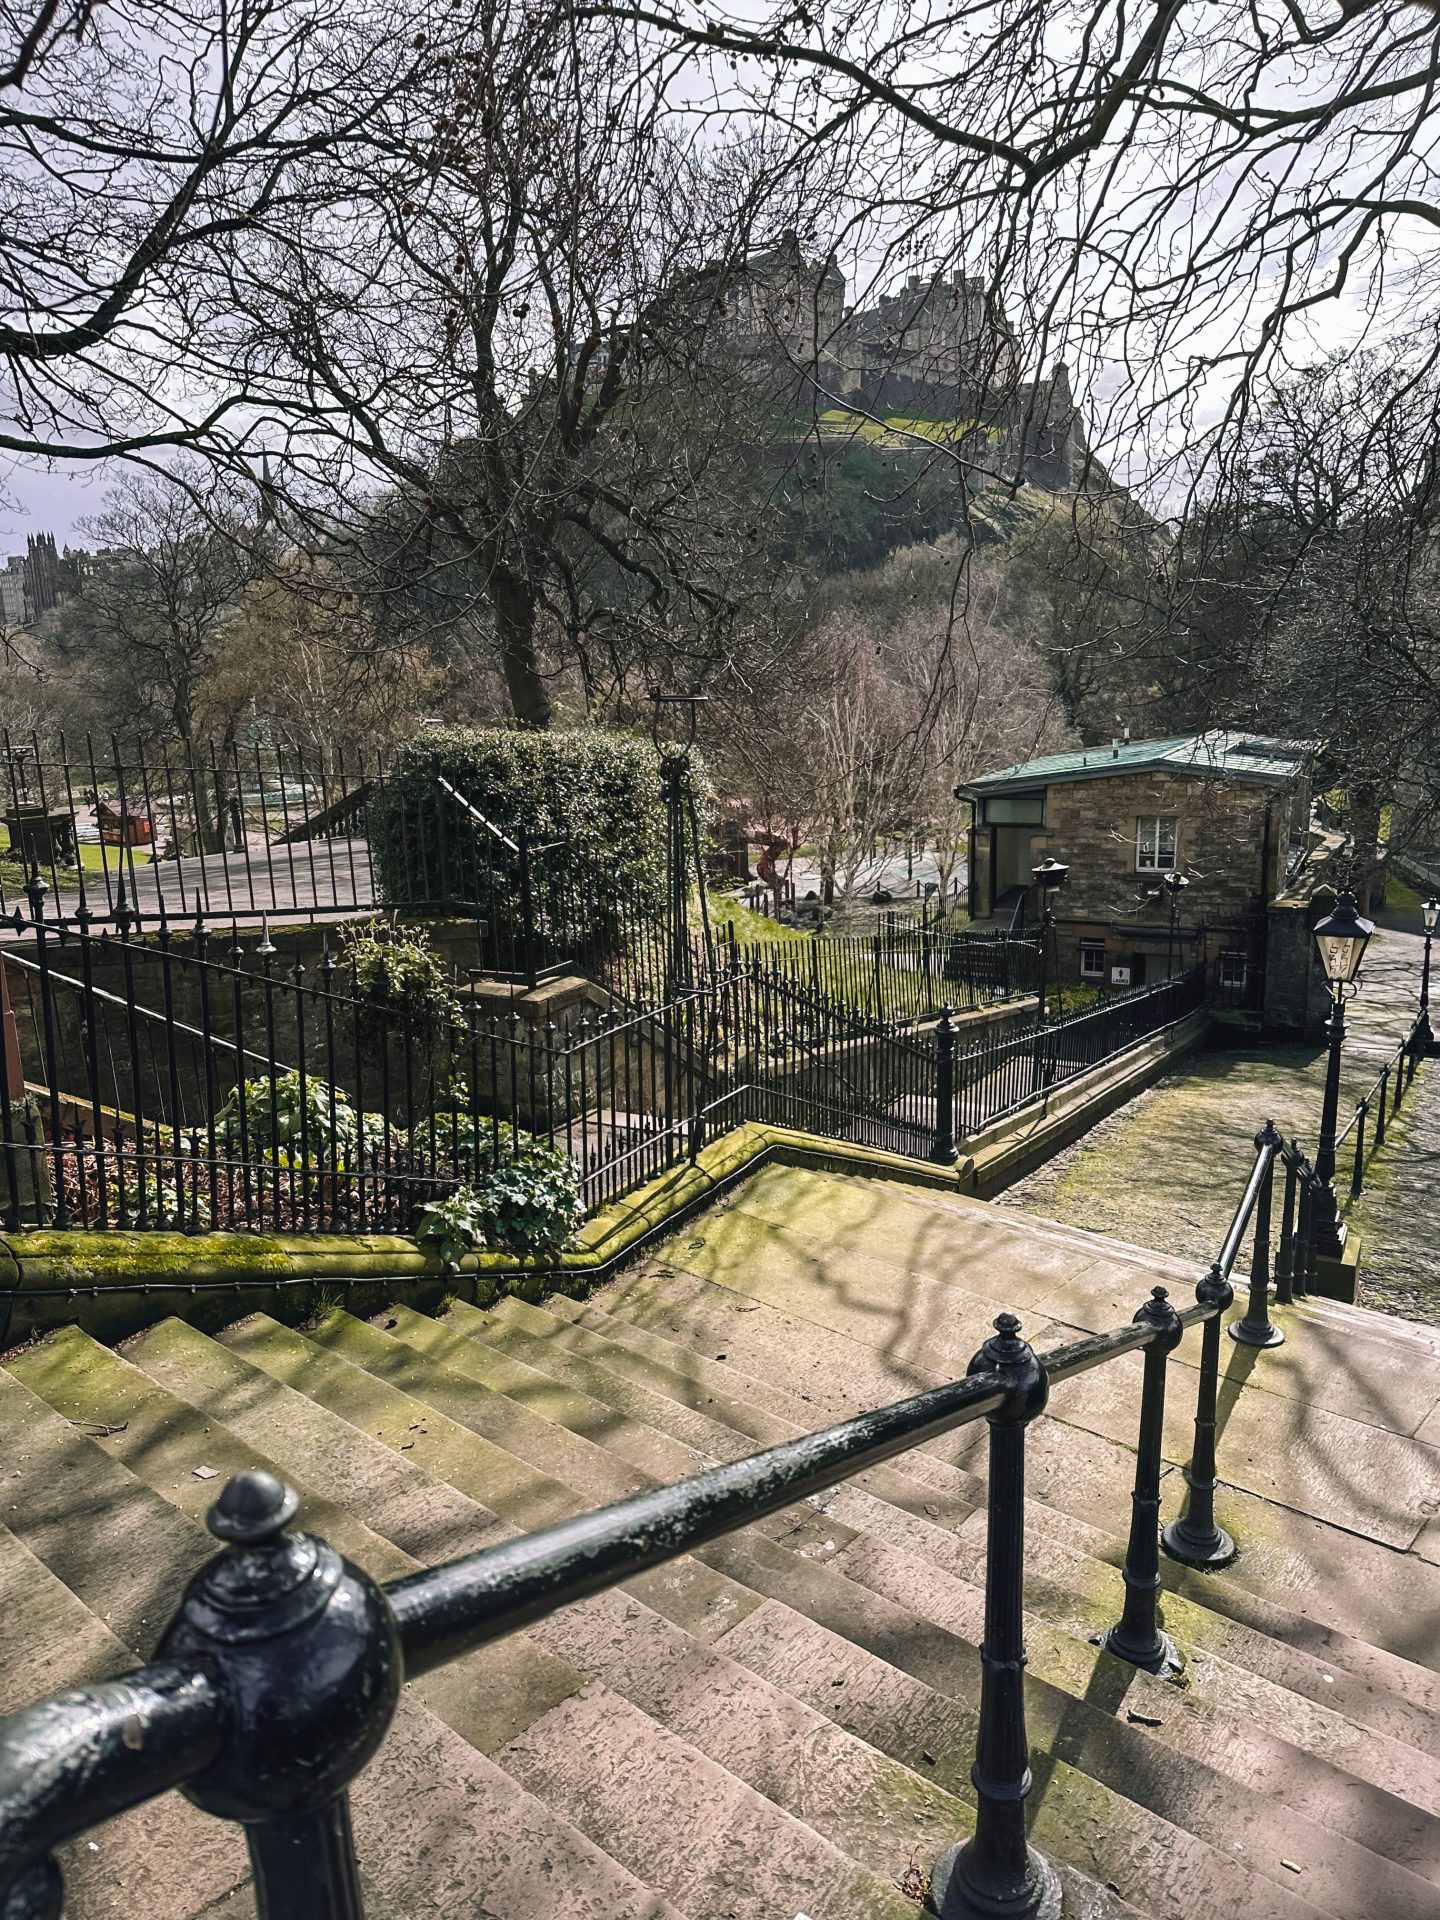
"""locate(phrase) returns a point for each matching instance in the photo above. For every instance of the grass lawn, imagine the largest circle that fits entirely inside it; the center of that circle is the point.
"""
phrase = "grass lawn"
(749, 926)
(896, 427)
(1399, 897)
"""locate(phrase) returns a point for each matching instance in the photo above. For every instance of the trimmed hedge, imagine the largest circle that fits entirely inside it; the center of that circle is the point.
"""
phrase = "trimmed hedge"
(597, 793)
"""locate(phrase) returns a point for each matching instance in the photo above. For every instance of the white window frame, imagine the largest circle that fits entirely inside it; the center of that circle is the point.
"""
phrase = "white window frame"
(1229, 957)
(1092, 950)
(1151, 859)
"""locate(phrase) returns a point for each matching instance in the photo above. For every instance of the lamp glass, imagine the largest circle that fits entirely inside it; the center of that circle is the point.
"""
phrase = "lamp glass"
(1341, 938)
(1430, 914)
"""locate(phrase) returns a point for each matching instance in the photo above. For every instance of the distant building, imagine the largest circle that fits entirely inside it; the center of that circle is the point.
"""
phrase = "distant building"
(13, 600)
(776, 302)
(30, 582)
(1228, 811)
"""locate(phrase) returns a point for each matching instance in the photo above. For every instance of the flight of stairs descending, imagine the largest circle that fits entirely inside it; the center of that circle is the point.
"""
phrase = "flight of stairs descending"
(783, 1724)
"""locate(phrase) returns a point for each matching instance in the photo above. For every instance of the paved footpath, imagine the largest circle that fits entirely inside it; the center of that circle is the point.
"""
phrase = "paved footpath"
(1168, 1168)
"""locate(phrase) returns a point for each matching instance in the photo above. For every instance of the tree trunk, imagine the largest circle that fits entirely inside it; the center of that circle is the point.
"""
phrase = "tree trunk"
(514, 606)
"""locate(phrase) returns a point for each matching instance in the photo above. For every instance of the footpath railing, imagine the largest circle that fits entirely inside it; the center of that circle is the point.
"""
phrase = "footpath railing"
(1389, 1086)
(276, 1679)
(165, 1084)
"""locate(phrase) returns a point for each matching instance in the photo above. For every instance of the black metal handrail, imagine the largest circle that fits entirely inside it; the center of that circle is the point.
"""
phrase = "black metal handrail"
(278, 1676)
(1401, 1061)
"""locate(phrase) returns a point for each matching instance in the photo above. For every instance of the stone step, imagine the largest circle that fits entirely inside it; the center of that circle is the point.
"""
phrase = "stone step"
(340, 1460)
(873, 1810)
(1356, 1585)
(435, 1820)
(663, 1808)
(877, 1543)
(747, 1574)
(1393, 1694)
(338, 1376)
(162, 1438)
(1257, 1756)
(1130, 1759)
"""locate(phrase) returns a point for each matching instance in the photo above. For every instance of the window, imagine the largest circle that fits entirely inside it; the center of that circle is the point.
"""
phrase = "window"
(1234, 969)
(1015, 810)
(1092, 959)
(1155, 843)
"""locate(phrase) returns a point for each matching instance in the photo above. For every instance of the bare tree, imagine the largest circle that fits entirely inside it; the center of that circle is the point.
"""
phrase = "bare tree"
(499, 310)
(144, 145)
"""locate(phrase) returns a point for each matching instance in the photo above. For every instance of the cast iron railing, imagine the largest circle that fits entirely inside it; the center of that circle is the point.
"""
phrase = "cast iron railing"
(177, 1082)
(277, 1678)
(1389, 1085)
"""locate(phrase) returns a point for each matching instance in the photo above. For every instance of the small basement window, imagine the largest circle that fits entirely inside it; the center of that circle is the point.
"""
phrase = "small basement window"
(1092, 960)
(1234, 969)
(1155, 838)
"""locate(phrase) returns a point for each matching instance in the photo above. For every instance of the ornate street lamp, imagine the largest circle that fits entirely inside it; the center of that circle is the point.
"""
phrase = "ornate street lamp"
(1341, 939)
(1429, 915)
(1049, 877)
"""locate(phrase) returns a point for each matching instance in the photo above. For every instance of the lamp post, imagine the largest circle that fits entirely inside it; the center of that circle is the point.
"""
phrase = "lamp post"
(1049, 877)
(1341, 939)
(1170, 888)
(1424, 1033)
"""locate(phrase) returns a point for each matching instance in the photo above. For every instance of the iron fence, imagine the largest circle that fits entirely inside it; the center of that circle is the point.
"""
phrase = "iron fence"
(1002, 1072)
(264, 1712)
(170, 1083)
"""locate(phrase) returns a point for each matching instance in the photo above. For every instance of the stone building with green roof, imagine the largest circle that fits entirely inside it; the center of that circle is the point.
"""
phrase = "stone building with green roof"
(1227, 812)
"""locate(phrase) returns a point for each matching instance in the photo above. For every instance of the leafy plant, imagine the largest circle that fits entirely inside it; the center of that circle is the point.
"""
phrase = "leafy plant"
(453, 1226)
(323, 1127)
(531, 1199)
(397, 970)
(526, 1202)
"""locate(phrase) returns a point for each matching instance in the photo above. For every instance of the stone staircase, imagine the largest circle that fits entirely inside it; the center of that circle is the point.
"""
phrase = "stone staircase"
(782, 1724)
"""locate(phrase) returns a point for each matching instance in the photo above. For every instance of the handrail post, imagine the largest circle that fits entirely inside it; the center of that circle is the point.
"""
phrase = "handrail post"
(1137, 1635)
(1305, 1267)
(1285, 1256)
(1357, 1172)
(1195, 1539)
(943, 1151)
(1380, 1105)
(1256, 1329)
(307, 1651)
(997, 1873)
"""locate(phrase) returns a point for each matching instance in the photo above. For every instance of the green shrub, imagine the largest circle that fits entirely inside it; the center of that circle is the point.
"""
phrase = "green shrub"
(596, 793)
(528, 1202)
(398, 971)
(287, 1128)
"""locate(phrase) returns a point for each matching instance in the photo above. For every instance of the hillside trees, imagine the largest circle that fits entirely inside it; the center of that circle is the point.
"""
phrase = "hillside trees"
(503, 312)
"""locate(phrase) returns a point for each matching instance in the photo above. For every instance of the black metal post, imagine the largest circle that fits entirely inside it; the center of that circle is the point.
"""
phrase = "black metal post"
(1305, 1237)
(944, 1151)
(1137, 1636)
(1424, 1035)
(1357, 1171)
(1325, 1219)
(1285, 1255)
(1195, 1539)
(997, 1874)
(1256, 1329)
(306, 1649)
(1040, 1003)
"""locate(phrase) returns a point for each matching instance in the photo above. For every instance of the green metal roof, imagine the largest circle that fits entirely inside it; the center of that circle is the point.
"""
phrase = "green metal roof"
(1235, 756)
